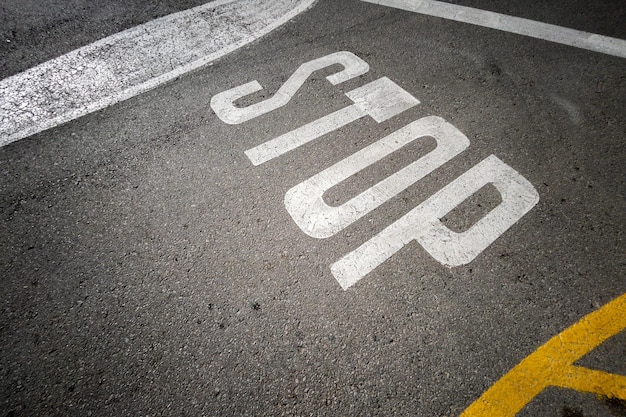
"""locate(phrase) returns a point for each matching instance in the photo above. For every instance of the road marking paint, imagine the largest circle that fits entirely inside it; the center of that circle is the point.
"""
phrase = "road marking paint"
(132, 62)
(303, 135)
(223, 103)
(305, 201)
(380, 99)
(423, 223)
(553, 365)
(517, 25)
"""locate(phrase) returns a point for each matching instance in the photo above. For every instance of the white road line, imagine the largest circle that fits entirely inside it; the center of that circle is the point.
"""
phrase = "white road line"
(517, 25)
(132, 62)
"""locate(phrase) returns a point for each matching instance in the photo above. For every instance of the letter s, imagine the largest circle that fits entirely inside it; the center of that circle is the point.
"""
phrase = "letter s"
(223, 103)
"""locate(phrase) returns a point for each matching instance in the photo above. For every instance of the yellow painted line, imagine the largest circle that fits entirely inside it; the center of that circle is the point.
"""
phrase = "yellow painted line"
(552, 365)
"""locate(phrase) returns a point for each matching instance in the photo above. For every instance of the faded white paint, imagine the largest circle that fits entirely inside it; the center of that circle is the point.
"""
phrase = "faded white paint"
(223, 103)
(423, 223)
(572, 109)
(380, 99)
(132, 62)
(517, 25)
(305, 201)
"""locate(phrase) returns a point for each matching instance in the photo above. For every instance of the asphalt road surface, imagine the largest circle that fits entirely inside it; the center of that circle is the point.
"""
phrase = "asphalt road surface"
(151, 265)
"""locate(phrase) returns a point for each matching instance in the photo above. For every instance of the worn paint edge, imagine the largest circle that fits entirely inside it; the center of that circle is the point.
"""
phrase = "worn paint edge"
(60, 66)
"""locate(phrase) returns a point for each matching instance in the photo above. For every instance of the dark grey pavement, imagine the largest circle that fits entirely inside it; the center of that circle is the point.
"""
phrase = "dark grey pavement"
(148, 268)
(34, 31)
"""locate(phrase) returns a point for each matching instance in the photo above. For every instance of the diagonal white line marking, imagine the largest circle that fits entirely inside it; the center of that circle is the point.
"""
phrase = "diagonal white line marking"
(132, 62)
(517, 25)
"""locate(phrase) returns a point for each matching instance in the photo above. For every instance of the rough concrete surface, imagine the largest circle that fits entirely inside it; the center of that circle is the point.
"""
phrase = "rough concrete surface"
(148, 268)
